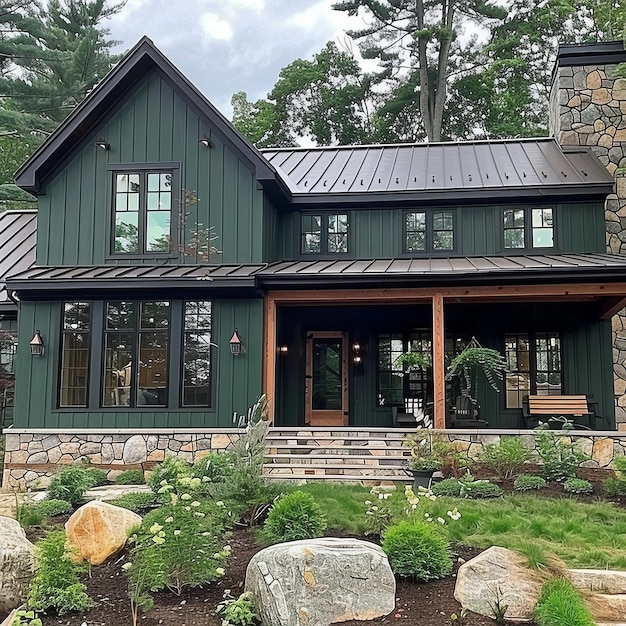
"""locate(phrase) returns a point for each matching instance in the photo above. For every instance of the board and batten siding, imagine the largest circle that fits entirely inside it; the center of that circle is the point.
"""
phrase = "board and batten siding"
(154, 124)
(379, 233)
(236, 379)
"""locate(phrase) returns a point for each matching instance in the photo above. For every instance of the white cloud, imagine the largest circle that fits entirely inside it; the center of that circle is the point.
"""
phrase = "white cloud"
(215, 27)
(253, 5)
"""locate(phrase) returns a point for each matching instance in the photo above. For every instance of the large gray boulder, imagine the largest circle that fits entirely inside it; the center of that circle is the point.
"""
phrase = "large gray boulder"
(318, 582)
(498, 575)
(17, 564)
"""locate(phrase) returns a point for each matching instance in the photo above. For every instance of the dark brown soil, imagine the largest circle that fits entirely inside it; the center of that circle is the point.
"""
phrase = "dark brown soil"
(425, 604)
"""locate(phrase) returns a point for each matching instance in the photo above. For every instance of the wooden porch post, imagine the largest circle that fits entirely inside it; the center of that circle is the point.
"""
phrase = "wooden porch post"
(439, 343)
(269, 354)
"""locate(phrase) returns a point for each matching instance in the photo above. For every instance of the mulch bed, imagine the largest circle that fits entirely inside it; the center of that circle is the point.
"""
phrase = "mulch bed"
(419, 604)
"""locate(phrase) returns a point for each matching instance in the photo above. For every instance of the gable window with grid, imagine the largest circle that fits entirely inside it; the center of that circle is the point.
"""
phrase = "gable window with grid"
(528, 228)
(326, 233)
(428, 231)
(142, 211)
(534, 366)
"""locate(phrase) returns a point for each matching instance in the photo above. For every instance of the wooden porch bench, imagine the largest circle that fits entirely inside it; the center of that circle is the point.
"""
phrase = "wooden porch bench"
(559, 406)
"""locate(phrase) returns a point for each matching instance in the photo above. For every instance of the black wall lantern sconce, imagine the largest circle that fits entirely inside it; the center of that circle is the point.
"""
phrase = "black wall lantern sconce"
(283, 350)
(235, 344)
(105, 145)
(206, 142)
(357, 353)
(36, 345)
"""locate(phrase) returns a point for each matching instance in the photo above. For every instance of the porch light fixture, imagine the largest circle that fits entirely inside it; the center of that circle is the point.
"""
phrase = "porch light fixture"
(206, 142)
(235, 344)
(36, 345)
(105, 145)
(283, 350)
(357, 353)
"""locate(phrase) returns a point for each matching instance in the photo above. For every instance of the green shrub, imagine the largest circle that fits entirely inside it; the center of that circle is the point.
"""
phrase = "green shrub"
(97, 476)
(448, 487)
(136, 502)
(215, 467)
(616, 486)
(171, 470)
(506, 458)
(466, 487)
(28, 515)
(237, 611)
(70, 484)
(130, 477)
(559, 604)
(417, 550)
(577, 485)
(294, 516)
(560, 457)
(528, 482)
(56, 585)
(49, 507)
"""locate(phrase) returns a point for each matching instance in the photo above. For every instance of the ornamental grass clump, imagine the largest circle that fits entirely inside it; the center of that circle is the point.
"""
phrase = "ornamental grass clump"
(293, 517)
(507, 458)
(71, 483)
(417, 550)
(559, 604)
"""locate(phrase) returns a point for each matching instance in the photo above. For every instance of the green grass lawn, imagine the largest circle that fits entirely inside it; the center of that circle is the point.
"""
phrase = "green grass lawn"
(580, 534)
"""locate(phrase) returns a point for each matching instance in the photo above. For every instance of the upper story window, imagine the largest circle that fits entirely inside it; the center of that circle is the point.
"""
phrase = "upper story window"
(142, 211)
(325, 233)
(528, 228)
(429, 231)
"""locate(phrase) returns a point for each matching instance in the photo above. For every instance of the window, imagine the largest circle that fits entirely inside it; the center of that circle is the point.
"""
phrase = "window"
(75, 339)
(395, 384)
(534, 364)
(142, 211)
(528, 228)
(324, 234)
(429, 231)
(197, 354)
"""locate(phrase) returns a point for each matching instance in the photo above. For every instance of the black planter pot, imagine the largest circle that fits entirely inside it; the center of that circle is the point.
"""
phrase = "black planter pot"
(421, 478)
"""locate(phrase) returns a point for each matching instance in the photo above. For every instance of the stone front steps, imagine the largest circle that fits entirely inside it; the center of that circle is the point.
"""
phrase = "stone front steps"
(605, 592)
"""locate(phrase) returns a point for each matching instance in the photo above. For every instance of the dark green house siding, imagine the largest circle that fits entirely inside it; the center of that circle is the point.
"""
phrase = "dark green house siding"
(154, 124)
(237, 380)
(378, 233)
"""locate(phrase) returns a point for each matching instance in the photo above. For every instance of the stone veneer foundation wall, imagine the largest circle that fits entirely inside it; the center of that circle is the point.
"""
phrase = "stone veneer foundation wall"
(32, 458)
(587, 108)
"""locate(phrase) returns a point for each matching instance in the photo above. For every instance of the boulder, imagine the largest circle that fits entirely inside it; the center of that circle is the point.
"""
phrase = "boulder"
(98, 530)
(17, 564)
(498, 575)
(321, 582)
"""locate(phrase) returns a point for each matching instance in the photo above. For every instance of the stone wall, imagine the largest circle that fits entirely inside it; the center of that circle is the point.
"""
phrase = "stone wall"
(113, 452)
(587, 107)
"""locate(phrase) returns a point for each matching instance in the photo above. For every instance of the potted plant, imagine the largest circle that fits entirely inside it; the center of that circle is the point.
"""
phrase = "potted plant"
(423, 462)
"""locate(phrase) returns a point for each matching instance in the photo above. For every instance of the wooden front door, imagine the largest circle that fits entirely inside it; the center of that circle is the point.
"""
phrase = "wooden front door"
(326, 385)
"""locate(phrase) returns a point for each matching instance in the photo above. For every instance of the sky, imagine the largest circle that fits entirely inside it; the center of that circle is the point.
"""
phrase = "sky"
(226, 46)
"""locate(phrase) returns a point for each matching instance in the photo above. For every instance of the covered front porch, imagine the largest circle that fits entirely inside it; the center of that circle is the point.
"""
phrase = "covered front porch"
(331, 355)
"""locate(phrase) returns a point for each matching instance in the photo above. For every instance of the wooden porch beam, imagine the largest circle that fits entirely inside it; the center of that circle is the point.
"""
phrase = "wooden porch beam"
(269, 355)
(439, 383)
(611, 306)
(425, 294)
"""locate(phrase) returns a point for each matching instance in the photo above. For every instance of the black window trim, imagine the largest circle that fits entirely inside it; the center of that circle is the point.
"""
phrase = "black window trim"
(175, 167)
(429, 250)
(324, 254)
(528, 230)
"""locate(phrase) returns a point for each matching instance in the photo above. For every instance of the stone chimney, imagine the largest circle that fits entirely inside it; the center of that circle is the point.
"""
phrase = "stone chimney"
(588, 108)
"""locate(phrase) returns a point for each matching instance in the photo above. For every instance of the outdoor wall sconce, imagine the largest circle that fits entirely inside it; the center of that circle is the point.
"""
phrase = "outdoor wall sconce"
(235, 344)
(357, 353)
(283, 350)
(105, 145)
(36, 345)
(206, 142)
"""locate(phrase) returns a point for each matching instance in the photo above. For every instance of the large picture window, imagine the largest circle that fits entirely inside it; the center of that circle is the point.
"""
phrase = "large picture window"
(324, 234)
(142, 211)
(534, 366)
(528, 228)
(428, 231)
(75, 340)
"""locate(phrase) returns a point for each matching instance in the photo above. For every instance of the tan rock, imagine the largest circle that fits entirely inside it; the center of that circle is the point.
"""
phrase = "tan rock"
(498, 571)
(603, 451)
(611, 167)
(608, 607)
(158, 455)
(611, 130)
(599, 126)
(621, 188)
(620, 135)
(98, 530)
(599, 580)
(594, 80)
(619, 89)
(606, 141)
(220, 442)
(601, 96)
(574, 102)
(17, 564)
(620, 387)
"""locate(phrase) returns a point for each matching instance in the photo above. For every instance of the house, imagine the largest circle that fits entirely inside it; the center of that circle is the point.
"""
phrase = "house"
(180, 272)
